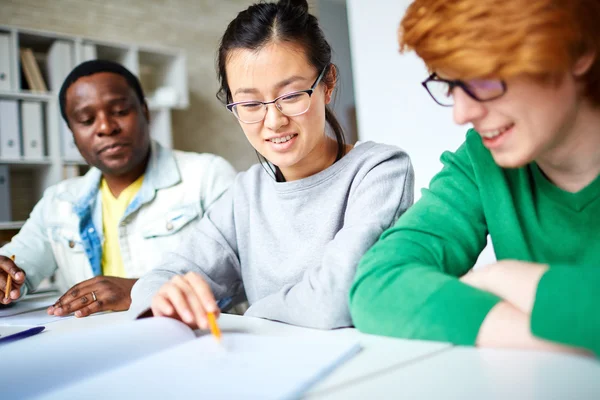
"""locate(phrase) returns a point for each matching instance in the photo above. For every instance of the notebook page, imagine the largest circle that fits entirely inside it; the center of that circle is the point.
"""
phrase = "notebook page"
(21, 307)
(243, 366)
(45, 361)
(38, 317)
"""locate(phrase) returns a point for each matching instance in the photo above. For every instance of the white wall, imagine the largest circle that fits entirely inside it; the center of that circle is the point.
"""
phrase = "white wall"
(334, 22)
(392, 105)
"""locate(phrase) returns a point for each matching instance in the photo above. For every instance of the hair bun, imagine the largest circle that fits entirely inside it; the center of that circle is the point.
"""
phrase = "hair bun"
(302, 4)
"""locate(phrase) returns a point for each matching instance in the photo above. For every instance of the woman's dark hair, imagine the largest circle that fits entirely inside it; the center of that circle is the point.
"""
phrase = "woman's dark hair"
(285, 21)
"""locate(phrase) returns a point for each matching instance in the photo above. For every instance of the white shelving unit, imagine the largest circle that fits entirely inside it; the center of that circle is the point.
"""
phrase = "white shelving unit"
(162, 73)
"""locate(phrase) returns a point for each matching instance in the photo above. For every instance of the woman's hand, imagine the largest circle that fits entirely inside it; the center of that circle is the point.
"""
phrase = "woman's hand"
(187, 298)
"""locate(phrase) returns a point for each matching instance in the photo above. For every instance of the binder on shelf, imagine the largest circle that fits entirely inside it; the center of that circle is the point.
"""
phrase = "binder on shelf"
(70, 171)
(5, 205)
(89, 52)
(60, 62)
(10, 138)
(160, 127)
(32, 124)
(70, 151)
(5, 75)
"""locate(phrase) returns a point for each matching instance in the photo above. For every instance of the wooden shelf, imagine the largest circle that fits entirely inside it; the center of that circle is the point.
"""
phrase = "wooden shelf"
(26, 162)
(27, 95)
(11, 225)
(75, 162)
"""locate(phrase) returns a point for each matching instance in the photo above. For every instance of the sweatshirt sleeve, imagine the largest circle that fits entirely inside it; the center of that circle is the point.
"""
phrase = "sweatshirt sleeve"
(207, 250)
(566, 307)
(406, 285)
(216, 180)
(320, 298)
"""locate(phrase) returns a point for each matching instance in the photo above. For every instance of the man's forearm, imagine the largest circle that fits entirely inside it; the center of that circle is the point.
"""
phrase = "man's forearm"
(514, 281)
(508, 327)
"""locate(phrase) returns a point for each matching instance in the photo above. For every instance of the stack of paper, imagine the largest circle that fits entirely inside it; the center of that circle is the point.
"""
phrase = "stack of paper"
(161, 358)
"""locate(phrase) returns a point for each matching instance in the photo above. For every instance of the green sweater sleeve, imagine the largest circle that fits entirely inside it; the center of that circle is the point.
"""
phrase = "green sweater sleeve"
(566, 307)
(406, 285)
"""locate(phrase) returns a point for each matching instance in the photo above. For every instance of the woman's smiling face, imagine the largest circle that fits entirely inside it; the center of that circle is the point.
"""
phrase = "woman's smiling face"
(289, 142)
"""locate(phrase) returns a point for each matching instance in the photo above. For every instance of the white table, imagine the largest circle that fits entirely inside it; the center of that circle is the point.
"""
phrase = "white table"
(379, 354)
(468, 373)
(396, 368)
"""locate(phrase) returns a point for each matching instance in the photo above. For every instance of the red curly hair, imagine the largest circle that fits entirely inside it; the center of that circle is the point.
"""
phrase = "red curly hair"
(504, 38)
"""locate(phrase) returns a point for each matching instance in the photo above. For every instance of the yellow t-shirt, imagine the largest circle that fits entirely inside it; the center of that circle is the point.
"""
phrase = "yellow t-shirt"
(112, 212)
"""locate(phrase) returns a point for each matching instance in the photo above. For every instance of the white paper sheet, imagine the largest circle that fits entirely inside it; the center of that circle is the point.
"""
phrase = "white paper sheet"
(26, 305)
(244, 366)
(45, 361)
(39, 317)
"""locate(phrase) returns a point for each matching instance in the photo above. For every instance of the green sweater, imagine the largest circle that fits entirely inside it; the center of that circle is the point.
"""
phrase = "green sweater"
(407, 284)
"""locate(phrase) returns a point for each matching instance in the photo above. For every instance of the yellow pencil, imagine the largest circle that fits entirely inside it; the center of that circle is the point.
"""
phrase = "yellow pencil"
(8, 282)
(214, 328)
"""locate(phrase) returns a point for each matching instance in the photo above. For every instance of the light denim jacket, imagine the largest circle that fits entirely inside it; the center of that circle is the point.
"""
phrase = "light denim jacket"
(64, 232)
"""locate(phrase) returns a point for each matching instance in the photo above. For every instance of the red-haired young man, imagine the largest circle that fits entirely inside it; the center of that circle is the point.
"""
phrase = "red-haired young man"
(526, 76)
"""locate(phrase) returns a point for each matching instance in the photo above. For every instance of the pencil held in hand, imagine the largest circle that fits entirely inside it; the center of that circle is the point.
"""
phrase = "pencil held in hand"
(8, 287)
(8, 282)
(214, 328)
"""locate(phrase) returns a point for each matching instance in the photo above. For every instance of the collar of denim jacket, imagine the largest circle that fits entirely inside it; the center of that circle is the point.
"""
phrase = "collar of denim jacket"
(161, 172)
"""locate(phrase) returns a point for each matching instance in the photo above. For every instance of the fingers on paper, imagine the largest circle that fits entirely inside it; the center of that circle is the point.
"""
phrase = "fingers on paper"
(94, 307)
(79, 297)
(186, 297)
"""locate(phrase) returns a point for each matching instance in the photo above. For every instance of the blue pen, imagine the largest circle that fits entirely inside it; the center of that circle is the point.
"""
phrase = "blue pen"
(223, 304)
(22, 335)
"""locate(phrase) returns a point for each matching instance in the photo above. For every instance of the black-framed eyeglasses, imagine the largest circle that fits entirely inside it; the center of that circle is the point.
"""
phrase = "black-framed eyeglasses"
(441, 90)
(289, 104)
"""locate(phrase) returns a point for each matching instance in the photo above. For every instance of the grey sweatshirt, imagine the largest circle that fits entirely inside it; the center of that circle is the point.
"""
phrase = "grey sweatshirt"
(293, 246)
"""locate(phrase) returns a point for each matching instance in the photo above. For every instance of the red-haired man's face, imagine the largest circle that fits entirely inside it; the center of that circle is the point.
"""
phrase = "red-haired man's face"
(532, 121)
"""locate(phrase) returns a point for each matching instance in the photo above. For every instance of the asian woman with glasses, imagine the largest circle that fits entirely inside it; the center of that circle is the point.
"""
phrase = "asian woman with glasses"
(526, 75)
(290, 232)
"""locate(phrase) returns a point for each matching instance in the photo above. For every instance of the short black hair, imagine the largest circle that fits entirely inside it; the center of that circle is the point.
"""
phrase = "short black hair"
(92, 67)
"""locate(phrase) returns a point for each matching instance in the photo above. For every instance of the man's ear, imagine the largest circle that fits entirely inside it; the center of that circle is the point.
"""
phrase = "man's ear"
(583, 63)
(146, 112)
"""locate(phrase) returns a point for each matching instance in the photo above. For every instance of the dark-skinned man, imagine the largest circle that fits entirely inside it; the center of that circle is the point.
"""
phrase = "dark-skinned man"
(100, 232)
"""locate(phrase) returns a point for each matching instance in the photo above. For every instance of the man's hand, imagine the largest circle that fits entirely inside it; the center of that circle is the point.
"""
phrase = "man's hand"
(7, 266)
(102, 293)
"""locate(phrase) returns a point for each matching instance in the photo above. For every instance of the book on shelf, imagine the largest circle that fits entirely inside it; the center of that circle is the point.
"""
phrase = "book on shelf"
(162, 358)
(32, 72)
(70, 171)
